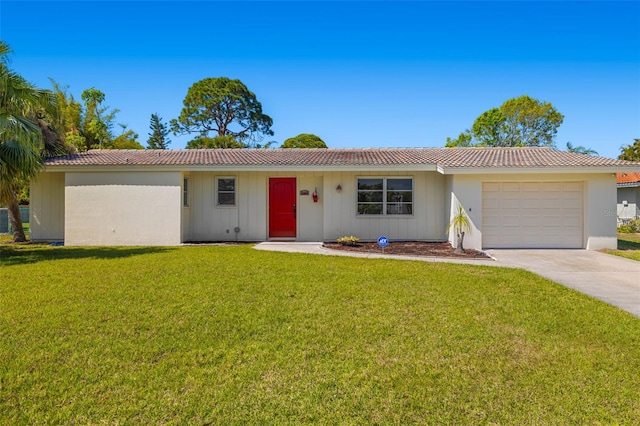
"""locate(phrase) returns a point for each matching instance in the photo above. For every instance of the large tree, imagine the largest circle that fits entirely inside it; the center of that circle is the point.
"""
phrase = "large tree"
(630, 152)
(158, 137)
(223, 107)
(521, 121)
(127, 139)
(89, 125)
(304, 140)
(22, 111)
(218, 142)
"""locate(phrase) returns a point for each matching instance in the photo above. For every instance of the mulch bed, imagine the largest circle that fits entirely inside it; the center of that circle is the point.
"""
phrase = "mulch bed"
(410, 248)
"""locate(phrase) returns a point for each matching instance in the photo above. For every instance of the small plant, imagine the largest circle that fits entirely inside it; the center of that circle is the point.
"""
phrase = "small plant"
(348, 240)
(631, 227)
(460, 223)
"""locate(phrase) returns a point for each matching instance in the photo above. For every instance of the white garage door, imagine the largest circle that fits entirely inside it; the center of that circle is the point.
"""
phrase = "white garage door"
(532, 214)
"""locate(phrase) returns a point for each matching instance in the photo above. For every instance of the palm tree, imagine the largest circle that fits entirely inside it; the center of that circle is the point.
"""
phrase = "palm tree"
(461, 224)
(21, 138)
(580, 149)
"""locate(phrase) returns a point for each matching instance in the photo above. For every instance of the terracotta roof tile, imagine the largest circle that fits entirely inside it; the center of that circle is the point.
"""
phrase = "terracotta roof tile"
(442, 157)
(629, 177)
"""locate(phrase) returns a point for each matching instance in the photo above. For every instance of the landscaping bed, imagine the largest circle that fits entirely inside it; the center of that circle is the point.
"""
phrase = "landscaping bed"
(409, 248)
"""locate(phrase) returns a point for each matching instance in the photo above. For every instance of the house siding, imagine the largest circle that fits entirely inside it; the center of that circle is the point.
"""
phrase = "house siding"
(333, 216)
(210, 222)
(632, 196)
(600, 212)
(427, 223)
(125, 209)
(599, 218)
(46, 213)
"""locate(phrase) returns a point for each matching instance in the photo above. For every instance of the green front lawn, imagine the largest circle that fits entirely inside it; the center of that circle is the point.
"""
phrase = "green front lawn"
(628, 246)
(7, 238)
(232, 335)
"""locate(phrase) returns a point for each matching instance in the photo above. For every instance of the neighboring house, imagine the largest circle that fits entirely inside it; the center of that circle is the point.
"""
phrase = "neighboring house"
(628, 196)
(514, 197)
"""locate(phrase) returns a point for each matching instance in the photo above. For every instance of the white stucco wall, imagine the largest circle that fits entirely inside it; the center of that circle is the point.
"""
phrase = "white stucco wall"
(466, 191)
(123, 208)
(628, 202)
(599, 208)
(47, 207)
(600, 212)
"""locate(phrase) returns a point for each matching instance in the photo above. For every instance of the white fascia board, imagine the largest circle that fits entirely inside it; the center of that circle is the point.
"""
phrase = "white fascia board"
(536, 170)
(235, 168)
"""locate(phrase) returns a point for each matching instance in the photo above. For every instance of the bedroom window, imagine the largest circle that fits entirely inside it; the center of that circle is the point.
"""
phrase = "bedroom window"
(385, 196)
(226, 191)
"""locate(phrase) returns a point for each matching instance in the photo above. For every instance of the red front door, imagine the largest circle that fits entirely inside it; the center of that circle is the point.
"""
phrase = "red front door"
(282, 208)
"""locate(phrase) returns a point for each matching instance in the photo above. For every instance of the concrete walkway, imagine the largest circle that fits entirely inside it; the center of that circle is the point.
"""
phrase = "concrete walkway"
(613, 279)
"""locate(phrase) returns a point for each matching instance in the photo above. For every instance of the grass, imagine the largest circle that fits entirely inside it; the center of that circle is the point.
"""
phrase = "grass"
(628, 246)
(5, 238)
(232, 335)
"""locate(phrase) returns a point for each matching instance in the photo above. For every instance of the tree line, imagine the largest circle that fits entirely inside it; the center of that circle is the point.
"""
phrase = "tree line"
(218, 113)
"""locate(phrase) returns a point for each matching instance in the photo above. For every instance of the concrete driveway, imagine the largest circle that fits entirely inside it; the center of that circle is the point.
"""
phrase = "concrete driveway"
(613, 279)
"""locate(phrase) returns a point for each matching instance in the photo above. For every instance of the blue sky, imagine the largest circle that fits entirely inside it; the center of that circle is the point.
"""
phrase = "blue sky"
(358, 74)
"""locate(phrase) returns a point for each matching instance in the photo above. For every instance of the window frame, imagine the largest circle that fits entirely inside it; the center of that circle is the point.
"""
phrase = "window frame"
(234, 192)
(385, 203)
(186, 200)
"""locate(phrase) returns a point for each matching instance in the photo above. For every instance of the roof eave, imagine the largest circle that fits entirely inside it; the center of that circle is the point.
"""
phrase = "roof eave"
(535, 170)
(239, 168)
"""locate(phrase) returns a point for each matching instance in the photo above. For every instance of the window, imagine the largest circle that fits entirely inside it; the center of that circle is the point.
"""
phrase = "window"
(385, 196)
(185, 192)
(226, 191)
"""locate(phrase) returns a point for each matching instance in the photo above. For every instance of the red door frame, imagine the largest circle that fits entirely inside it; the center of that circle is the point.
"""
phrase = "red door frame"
(282, 208)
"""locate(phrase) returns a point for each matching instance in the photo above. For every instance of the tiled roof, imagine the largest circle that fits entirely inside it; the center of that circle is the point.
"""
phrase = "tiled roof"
(627, 178)
(529, 157)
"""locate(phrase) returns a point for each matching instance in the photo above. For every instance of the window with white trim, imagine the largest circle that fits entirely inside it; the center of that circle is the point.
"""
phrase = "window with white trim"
(385, 196)
(185, 192)
(226, 191)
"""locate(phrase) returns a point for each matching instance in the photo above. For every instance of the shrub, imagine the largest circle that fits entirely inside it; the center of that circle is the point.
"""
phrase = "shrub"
(348, 240)
(632, 227)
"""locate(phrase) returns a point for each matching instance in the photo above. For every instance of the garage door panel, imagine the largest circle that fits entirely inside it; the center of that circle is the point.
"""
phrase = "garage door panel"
(552, 221)
(530, 221)
(529, 187)
(551, 186)
(491, 204)
(510, 221)
(530, 204)
(554, 195)
(551, 204)
(510, 187)
(510, 204)
(489, 187)
(532, 214)
(492, 221)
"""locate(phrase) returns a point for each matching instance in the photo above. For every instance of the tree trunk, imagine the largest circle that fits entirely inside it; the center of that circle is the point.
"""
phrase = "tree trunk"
(15, 220)
(459, 248)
